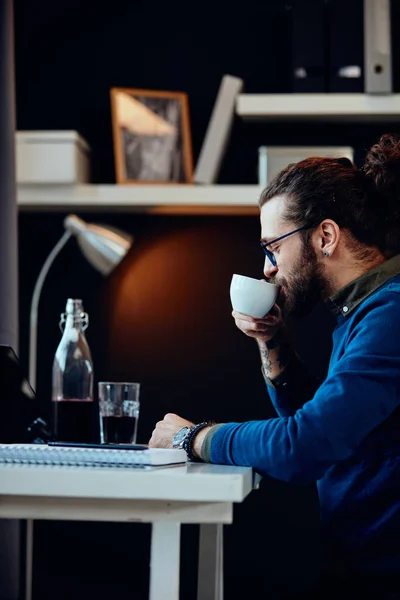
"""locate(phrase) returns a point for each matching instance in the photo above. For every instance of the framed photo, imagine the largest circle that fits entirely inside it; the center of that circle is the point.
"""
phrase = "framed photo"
(151, 132)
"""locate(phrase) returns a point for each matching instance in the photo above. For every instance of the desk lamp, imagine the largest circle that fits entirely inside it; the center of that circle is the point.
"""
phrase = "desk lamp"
(104, 247)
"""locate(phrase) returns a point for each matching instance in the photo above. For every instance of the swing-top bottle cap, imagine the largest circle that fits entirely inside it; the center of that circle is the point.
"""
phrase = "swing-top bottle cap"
(73, 306)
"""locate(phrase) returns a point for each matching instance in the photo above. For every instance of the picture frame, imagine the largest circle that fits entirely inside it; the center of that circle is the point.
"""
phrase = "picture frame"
(151, 137)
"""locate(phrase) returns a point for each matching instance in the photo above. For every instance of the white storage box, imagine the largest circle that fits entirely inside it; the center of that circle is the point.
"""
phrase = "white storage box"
(52, 157)
(273, 159)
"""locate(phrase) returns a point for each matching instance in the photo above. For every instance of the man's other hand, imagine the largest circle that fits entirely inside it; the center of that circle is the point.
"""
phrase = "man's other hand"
(164, 431)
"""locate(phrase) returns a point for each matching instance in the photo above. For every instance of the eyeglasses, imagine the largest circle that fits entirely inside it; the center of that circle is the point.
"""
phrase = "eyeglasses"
(269, 253)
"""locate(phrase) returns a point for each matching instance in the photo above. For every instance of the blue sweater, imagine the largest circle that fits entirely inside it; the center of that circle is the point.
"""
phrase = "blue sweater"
(346, 437)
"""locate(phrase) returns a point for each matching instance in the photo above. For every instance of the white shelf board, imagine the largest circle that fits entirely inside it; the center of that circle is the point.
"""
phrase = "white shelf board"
(179, 199)
(319, 107)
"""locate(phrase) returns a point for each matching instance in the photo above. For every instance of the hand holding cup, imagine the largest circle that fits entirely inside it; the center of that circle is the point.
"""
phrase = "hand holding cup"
(254, 307)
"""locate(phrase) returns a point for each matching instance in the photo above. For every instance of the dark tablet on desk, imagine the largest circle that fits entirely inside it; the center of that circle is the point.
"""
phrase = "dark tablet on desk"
(99, 446)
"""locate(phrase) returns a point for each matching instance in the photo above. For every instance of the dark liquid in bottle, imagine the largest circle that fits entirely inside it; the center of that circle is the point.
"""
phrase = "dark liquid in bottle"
(119, 430)
(72, 420)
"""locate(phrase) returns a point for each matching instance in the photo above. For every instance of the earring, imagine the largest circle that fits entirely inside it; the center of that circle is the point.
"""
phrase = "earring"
(326, 253)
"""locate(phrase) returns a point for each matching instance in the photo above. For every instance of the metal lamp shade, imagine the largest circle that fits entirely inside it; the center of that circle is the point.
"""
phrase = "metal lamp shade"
(104, 247)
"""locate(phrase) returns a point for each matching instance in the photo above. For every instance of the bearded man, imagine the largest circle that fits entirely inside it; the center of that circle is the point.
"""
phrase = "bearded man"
(329, 232)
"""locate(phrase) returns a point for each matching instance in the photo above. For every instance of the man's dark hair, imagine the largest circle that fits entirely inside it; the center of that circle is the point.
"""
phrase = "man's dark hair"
(365, 202)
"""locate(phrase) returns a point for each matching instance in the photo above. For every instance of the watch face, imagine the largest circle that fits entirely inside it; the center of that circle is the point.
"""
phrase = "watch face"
(180, 436)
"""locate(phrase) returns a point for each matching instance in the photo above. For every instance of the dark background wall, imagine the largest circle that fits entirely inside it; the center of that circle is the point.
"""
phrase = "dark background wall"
(163, 318)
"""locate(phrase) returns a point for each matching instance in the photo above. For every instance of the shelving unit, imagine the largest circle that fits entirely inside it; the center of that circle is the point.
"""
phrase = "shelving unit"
(319, 107)
(161, 199)
(212, 199)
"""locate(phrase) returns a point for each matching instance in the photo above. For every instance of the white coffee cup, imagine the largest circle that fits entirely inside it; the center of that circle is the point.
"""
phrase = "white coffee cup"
(252, 297)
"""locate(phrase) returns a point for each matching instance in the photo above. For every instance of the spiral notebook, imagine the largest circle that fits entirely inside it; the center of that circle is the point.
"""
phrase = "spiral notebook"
(41, 454)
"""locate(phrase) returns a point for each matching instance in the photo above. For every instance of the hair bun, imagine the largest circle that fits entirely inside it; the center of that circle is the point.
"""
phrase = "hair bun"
(382, 171)
(382, 164)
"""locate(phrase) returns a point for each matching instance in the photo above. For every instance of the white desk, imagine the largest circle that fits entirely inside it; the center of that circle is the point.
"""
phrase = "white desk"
(165, 497)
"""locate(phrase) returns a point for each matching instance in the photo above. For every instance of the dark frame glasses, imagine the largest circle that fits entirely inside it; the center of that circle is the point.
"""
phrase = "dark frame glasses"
(269, 253)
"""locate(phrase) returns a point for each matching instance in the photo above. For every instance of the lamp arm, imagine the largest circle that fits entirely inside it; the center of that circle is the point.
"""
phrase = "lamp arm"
(35, 303)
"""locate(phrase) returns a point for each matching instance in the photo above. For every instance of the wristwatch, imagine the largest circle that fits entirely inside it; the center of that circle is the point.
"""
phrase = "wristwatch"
(179, 437)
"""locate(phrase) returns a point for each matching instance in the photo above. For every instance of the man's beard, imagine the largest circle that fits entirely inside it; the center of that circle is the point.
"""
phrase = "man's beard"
(304, 287)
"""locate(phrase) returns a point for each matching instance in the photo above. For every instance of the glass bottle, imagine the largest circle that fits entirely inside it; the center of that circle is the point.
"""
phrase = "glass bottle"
(72, 381)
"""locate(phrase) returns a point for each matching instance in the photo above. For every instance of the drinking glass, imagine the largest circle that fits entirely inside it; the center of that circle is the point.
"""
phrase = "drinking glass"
(118, 411)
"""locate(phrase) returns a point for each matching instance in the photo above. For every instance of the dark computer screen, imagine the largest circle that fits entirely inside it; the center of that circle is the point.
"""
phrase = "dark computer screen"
(20, 421)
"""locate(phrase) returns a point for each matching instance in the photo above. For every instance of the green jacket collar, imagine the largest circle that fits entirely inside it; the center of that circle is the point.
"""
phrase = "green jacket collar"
(346, 300)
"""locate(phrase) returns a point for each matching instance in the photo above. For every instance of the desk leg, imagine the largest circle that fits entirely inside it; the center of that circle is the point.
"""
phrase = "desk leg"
(164, 560)
(210, 584)
(9, 552)
(28, 559)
